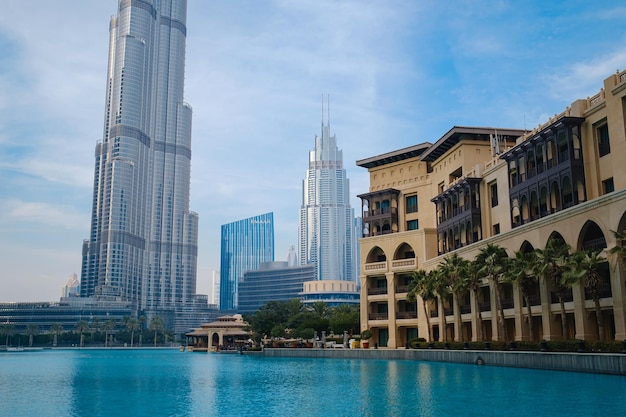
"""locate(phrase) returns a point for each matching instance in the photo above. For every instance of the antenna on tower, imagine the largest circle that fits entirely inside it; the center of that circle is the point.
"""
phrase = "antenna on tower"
(328, 110)
(322, 110)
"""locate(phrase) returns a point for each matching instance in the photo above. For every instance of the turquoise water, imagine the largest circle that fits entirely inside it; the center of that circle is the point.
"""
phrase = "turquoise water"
(171, 383)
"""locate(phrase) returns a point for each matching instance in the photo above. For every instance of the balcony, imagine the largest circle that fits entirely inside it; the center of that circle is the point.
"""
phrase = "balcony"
(377, 291)
(402, 289)
(402, 315)
(378, 316)
(376, 267)
(404, 264)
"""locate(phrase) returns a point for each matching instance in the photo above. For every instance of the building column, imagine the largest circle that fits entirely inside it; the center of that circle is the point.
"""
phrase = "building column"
(618, 289)
(583, 330)
(364, 303)
(391, 310)
(546, 313)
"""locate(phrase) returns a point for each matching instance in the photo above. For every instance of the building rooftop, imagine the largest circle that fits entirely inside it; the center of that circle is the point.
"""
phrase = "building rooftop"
(394, 156)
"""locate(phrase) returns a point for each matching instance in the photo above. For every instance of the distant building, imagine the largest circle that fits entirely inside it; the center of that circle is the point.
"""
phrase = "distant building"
(214, 298)
(245, 244)
(292, 258)
(331, 292)
(272, 281)
(325, 229)
(142, 246)
(72, 287)
(67, 312)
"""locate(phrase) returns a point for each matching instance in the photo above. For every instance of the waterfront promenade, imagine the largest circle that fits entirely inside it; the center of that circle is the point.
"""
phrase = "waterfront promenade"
(602, 363)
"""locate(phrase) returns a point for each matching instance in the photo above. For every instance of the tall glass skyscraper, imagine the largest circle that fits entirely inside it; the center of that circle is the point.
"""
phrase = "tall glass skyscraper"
(143, 241)
(245, 245)
(326, 219)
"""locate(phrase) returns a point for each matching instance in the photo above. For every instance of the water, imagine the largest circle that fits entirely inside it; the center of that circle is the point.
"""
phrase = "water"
(171, 383)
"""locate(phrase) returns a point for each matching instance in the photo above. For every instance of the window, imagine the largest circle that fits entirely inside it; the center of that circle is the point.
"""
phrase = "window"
(412, 225)
(603, 139)
(608, 186)
(411, 203)
(493, 188)
(496, 229)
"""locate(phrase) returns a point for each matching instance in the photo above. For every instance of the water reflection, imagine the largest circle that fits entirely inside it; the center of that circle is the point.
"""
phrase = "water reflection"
(171, 383)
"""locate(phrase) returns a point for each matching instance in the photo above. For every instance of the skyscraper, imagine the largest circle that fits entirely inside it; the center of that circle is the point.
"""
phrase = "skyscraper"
(143, 241)
(326, 218)
(245, 245)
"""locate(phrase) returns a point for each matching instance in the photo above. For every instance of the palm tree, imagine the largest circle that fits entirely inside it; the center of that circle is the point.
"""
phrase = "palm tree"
(620, 248)
(142, 321)
(108, 326)
(81, 327)
(321, 309)
(96, 325)
(421, 284)
(520, 271)
(474, 281)
(32, 330)
(132, 325)
(552, 263)
(7, 329)
(585, 266)
(441, 287)
(493, 259)
(56, 329)
(454, 269)
(156, 324)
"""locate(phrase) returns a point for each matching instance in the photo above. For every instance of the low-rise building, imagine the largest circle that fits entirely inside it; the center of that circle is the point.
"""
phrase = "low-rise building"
(517, 189)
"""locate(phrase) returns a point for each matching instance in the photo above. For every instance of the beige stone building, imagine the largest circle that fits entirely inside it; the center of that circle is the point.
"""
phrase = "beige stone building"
(509, 187)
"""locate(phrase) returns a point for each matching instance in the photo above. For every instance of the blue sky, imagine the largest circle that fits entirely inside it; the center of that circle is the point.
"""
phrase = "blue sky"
(398, 73)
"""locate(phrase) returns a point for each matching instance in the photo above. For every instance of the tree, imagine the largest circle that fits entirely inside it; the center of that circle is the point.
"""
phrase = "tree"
(584, 266)
(81, 327)
(96, 325)
(156, 325)
(56, 329)
(132, 325)
(493, 259)
(441, 287)
(453, 270)
(345, 318)
(521, 271)
(8, 330)
(421, 284)
(620, 248)
(474, 280)
(552, 263)
(108, 326)
(276, 313)
(142, 322)
(32, 330)
(320, 308)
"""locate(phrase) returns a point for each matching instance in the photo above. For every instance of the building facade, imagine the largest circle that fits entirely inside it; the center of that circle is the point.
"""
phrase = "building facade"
(142, 245)
(515, 189)
(245, 244)
(325, 228)
(272, 281)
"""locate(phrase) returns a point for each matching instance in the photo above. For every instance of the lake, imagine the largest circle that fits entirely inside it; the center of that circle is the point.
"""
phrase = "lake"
(167, 382)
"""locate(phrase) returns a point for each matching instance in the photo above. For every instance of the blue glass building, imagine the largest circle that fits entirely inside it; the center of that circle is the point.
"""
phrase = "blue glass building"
(245, 245)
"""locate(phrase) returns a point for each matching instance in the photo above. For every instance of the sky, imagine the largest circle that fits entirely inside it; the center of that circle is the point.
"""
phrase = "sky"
(398, 73)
